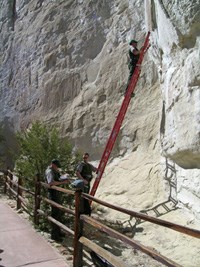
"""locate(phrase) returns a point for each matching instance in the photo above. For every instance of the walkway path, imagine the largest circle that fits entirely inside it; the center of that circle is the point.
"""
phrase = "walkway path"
(21, 245)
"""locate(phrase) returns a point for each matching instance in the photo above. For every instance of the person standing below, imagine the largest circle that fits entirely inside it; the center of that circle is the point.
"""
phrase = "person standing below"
(84, 172)
(52, 174)
(134, 54)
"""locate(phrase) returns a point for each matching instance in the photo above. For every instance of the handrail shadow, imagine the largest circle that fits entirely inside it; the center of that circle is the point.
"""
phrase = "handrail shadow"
(162, 208)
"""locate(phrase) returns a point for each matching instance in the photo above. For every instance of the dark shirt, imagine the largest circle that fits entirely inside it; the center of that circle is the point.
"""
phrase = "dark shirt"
(86, 170)
(52, 175)
(133, 58)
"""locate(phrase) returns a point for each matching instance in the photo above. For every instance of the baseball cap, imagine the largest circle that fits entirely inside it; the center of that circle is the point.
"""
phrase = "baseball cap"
(133, 41)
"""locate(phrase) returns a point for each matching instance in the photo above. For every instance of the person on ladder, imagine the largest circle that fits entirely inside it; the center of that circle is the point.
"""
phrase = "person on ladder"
(134, 54)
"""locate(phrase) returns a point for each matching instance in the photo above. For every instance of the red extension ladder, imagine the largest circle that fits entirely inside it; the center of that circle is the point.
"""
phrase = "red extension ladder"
(120, 117)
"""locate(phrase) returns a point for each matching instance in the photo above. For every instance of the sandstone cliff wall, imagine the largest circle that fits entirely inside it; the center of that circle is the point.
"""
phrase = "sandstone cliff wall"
(65, 62)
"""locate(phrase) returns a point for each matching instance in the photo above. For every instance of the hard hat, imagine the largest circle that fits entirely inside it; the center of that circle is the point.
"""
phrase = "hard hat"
(78, 184)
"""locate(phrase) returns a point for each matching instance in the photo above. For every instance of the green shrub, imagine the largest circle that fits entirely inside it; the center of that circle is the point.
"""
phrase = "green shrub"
(37, 147)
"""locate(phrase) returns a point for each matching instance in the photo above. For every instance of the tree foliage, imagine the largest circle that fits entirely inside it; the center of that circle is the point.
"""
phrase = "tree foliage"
(2, 139)
(38, 146)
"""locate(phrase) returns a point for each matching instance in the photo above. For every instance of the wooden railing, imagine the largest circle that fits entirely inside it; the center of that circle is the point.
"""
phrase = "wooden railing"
(80, 241)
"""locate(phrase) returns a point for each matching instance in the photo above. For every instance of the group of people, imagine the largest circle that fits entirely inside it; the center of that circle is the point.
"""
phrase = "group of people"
(84, 173)
(84, 170)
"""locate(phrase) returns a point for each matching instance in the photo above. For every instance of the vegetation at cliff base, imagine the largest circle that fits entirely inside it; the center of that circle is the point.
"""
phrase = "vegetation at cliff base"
(37, 147)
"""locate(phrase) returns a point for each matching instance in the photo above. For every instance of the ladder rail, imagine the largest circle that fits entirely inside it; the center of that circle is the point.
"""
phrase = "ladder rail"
(120, 118)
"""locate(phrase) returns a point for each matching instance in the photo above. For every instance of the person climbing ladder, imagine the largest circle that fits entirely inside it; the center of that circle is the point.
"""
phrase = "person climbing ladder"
(120, 117)
(134, 54)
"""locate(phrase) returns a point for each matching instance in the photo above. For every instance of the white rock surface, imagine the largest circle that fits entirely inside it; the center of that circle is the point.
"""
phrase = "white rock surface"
(65, 62)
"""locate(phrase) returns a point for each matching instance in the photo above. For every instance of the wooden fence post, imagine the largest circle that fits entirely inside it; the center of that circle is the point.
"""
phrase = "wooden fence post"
(10, 183)
(78, 229)
(19, 193)
(37, 199)
(5, 185)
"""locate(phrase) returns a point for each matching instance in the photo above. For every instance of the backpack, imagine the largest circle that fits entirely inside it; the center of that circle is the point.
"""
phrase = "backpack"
(78, 184)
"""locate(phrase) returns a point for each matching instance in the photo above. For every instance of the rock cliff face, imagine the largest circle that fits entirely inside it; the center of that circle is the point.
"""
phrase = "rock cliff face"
(65, 62)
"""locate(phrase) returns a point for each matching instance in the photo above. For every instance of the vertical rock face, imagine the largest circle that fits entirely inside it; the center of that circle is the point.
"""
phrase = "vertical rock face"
(176, 38)
(179, 44)
(65, 62)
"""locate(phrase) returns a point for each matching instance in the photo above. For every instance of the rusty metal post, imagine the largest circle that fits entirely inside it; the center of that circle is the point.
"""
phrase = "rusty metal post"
(37, 199)
(19, 193)
(78, 229)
